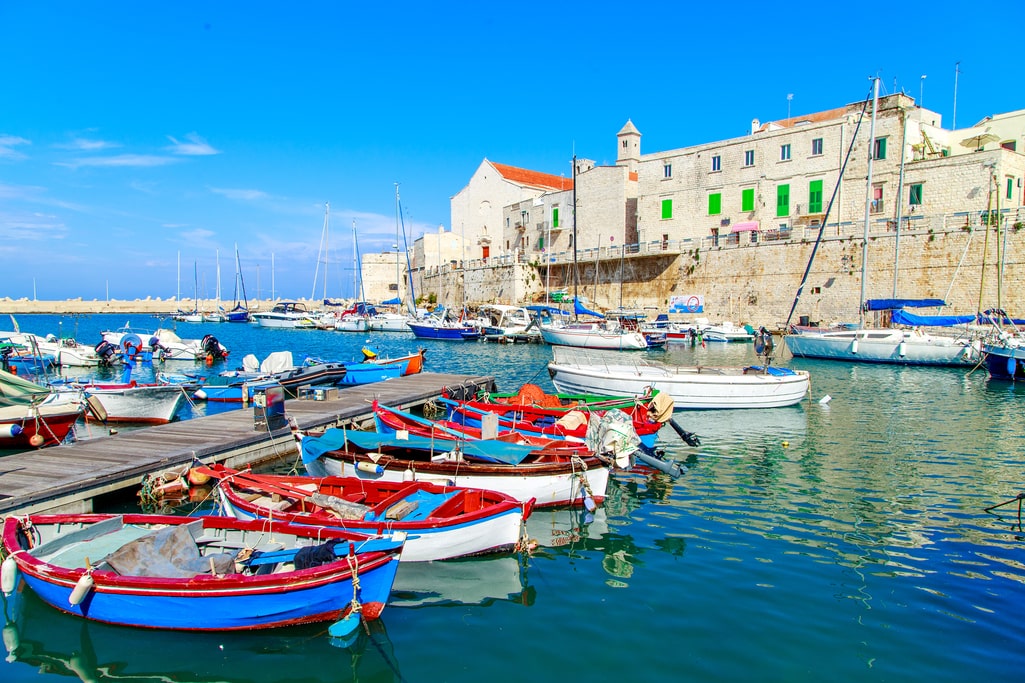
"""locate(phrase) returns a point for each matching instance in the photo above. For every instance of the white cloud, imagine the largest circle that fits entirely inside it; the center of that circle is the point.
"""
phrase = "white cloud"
(85, 145)
(195, 146)
(239, 194)
(25, 226)
(137, 160)
(7, 145)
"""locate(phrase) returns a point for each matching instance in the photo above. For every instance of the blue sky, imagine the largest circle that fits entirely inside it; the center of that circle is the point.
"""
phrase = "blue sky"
(131, 133)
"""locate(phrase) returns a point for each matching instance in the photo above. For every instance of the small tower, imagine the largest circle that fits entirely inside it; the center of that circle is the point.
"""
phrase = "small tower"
(629, 147)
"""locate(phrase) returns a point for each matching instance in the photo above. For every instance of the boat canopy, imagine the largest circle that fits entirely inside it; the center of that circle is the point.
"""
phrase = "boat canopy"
(904, 318)
(547, 310)
(892, 304)
(392, 302)
(334, 439)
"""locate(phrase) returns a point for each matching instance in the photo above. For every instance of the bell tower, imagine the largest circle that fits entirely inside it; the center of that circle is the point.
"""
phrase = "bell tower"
(629, 146)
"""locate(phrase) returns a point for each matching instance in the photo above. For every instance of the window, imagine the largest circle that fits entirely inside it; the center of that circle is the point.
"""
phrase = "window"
(816, 147)
(782, 200)
(880, 148)
(749, 158)
(555, 217)
(716, 163)
(714, 204)
(667, 171)
(747, 199)
(1010, 188)
(915, 195)
(815, 196)
(667, 209)
(877, 199)
(624, 144)
(784, 152)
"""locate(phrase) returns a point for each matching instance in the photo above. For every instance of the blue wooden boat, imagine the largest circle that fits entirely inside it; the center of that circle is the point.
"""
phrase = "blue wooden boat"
(368, 373)
(221, 389)
(198, 573)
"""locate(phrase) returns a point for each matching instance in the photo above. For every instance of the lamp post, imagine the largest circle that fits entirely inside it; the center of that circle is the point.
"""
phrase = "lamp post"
(790, 98)
(921, 92)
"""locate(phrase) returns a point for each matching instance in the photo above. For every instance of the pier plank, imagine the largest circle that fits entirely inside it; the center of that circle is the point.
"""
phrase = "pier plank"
(69, 477)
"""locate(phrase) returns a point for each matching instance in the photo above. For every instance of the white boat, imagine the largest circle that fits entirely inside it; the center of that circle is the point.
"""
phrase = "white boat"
(690, 387)
(389, 322)
(285, 314)
(130, 402)
(726, 332)
(590, 335)
(509, 323)
(885, 345)
(166, 344)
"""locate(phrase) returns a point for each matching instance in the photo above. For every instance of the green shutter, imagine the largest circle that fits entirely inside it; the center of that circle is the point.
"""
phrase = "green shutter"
(915, 197)
(1010, 188)
(667, 208)
(880, 148)
(714, 204)
(815, 196)
(782, 200)
(555, 217)
(747, 199)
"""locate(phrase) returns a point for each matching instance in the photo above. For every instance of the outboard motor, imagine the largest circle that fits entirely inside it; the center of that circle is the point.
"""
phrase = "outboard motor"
(107, 352)
(158, 349)
(213, 348)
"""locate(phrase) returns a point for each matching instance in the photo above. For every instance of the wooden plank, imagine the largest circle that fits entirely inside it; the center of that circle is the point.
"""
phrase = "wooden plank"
(60, 475)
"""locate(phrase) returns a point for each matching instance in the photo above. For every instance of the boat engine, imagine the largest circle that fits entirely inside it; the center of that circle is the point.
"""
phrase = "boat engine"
(107, 352)
(213, 348)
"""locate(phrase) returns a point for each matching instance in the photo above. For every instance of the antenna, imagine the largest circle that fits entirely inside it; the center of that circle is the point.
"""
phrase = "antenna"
(957, 70)
(790, 98)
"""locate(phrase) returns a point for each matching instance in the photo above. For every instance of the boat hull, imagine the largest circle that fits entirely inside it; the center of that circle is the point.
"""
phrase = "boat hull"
(453, 333)
(203, 602)
(143, 405)
(593, 338)
(1005, 362)
(896, 347)
(20, 424)
(691, 388)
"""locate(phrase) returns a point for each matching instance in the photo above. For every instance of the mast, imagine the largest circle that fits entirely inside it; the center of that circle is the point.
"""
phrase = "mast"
(322, 252)
(868, 197)
(217, 289)
(398, 268)
(575, 274)
(178, 296)
(900, 198)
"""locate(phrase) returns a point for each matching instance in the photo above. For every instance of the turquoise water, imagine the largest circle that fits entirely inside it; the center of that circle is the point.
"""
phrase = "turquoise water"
(839, 541)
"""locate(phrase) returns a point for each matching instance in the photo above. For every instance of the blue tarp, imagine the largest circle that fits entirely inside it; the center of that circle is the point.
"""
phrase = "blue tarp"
(491, 451)
(904, 318)
(547, 310)
(392, 302)
(578, 309)
(892, 304)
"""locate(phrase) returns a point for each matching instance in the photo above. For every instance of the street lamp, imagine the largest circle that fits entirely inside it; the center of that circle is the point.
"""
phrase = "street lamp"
(921, 92)
(790, 98)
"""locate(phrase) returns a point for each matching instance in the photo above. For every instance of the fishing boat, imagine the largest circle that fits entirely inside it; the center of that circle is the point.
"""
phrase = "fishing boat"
(202, 574)
(218, 389)
(442, 522)
(532, 395)
(130, 402)
(690, 387)
(368, 373)
(550, 476)
(37, 426)
(411, 363)
(570, 425)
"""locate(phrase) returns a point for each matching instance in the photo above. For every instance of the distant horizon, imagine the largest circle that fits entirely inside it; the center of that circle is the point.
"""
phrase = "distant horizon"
(135, 133)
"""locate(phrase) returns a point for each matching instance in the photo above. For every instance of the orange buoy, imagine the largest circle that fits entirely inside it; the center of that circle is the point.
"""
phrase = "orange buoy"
(36, 440)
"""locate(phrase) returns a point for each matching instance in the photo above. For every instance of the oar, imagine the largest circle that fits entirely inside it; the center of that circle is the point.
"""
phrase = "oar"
(341, 549)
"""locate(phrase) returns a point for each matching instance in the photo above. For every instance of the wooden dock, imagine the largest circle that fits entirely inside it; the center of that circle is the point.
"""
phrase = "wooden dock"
(68, 478)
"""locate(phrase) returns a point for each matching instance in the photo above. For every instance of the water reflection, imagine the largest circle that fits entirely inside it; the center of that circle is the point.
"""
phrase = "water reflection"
(477, 581)
(43, 641)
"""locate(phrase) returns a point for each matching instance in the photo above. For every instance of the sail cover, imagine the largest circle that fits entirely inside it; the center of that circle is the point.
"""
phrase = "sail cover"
(891, 304)
(578, 309)
(904, 318)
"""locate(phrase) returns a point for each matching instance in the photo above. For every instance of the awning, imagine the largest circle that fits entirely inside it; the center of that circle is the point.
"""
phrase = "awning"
(750, 226)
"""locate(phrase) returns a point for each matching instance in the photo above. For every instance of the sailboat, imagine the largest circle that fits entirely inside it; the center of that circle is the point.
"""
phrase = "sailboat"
(385, 321)
(355, 318)
(240, 311)
(879, 344)
(217, 315)
(195, 316)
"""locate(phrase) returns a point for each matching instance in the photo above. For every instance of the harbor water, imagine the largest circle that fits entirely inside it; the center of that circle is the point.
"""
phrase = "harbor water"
(845, 539)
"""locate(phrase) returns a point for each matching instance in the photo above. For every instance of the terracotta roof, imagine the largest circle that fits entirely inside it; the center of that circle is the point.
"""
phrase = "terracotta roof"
(525, 176)
(817, 117)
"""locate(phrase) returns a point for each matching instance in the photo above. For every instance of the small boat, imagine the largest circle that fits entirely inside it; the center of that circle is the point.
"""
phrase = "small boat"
(727, 332)
(439, 328)
(533, 395)
(690, 387)
(219, 389)
(368, 373)
(285, 314)
(386, 321)
(201, 574)
(131, 402)
(37, 426)
(551, 476)
(411, 364)
(442, 522)
(509, 324)
(593, 335)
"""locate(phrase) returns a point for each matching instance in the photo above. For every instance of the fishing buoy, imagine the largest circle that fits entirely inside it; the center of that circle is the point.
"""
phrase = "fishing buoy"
(8, 575)
(199, 395)
(369, 468)
(408, 475)
(36, 440)
(825, 399)
(82, 589)
(345, 630)
(902, 349)
(786, 444)
(197, 478)
(10, 431)
(854, 346)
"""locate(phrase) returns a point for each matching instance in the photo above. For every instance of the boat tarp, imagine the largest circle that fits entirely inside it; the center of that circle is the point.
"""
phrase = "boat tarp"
(547, 310)
(15, 390)
(579, 309)
(279, 361)
(892, 304)
(334, 439)
(904, 318)
(392, 302)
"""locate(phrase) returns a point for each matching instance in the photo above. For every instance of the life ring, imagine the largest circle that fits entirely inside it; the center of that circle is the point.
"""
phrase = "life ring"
(130, 342)
(693, 304)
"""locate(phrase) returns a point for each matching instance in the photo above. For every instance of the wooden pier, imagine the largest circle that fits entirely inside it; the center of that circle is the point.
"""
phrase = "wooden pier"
(68, 478)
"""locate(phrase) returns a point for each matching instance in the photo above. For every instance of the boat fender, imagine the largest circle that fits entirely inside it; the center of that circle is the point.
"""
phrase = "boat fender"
(12, 641)
(96, 408)
(408, 475)
(854, 346)
(370, 468)
(10, 431)
(82, 588)
(1012, 365)
(8, 575)
(36, 440)
(902, 349)
(199, 395)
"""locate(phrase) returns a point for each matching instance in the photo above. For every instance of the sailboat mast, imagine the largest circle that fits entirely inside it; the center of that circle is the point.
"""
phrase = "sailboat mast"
(868, 197)
(398, 266)
(321, 254)
(355, 272)
(575, 274)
